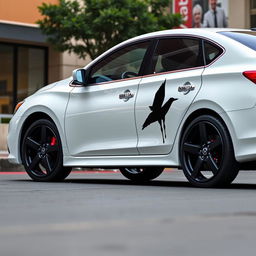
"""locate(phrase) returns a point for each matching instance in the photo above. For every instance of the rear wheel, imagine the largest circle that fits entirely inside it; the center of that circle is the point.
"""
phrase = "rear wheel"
(141, 174)
(206, 153)
(41, 152)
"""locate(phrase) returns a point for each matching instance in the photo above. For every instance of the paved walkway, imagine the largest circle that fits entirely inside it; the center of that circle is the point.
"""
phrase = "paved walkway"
(3, 154)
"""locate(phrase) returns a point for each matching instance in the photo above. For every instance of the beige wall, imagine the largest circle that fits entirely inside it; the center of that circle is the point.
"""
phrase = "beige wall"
(22, 10)
(61, 65)
(3, 137)
(239, 13)
(70, 62)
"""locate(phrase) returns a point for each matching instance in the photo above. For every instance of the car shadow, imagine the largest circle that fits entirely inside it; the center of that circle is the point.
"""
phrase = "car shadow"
(154, 183)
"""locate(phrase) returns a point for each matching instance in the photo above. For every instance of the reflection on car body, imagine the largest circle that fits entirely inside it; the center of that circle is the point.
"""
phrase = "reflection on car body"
(175, 98)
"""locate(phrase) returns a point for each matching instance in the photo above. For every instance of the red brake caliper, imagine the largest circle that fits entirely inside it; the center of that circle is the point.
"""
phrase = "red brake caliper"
(53, 141)
(215, 158)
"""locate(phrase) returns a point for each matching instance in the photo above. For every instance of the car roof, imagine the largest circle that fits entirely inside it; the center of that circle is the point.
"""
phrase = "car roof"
(190, 31)
(210, 33)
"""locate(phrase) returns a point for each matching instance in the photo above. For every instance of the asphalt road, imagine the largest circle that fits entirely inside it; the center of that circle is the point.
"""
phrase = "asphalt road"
(104, 214)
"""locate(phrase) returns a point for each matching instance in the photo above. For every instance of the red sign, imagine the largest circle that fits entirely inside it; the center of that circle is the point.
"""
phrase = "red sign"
(184, 7)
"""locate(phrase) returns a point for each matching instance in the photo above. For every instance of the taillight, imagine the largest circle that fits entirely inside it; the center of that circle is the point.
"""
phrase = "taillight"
(251, 75)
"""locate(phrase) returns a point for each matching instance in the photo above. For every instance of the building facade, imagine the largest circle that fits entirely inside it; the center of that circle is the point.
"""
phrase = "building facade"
(27, 62)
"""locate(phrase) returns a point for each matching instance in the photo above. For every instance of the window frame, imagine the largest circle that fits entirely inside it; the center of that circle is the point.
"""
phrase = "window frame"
(148, 58)
(201, 50)
(149, 70)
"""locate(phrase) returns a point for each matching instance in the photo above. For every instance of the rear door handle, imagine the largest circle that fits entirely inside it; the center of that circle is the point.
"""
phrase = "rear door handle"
(186, 88)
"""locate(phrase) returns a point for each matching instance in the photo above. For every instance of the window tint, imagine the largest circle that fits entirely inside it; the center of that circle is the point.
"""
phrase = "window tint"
(177, 53)
(122, 64)
(246, 38)
(211, 52)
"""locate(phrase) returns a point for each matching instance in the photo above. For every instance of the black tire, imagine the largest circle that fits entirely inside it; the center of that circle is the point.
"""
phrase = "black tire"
(206, 153)
(141, 174)
(41, 152)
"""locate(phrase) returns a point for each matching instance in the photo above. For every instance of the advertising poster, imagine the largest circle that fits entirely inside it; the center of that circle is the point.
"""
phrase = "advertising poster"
(195, 13)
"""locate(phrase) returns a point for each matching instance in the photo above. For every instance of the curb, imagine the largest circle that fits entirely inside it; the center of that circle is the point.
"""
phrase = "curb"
(6, 166)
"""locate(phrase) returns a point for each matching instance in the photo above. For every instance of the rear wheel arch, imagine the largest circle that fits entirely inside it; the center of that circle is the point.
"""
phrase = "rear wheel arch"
(200, 112)
(197, 145)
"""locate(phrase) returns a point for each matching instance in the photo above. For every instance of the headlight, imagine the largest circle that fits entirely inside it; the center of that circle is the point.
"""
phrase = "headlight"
(18, 106)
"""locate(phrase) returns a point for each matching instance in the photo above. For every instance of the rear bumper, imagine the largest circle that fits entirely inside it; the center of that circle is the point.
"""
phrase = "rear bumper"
(242, 127)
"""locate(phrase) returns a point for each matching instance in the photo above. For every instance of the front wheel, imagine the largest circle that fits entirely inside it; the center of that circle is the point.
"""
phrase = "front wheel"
(41, 152)
(206, 153)
(141, 174)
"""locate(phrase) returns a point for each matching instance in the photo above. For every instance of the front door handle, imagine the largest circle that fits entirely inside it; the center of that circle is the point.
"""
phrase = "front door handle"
(126, 95)
(186, 88)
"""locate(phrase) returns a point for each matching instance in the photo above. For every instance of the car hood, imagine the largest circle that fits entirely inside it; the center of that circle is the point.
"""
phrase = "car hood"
(64, 82)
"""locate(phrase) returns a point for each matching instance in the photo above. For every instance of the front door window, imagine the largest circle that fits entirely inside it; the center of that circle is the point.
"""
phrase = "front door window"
(125, 63)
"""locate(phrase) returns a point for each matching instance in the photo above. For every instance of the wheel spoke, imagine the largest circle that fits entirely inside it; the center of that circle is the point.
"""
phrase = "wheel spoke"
(203, 133)
(197, 167)
(215, 143)
(43, 134)
(212, 165)
(34, 162)
(191, 148)
(32, 143)
(46, 164)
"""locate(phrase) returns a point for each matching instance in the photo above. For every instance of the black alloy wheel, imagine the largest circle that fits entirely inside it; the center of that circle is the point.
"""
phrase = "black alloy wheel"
(206, 153)
(139, 174)
(41, 152)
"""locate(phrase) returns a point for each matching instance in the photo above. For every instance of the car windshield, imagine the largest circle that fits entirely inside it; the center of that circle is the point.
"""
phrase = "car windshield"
(247, 38)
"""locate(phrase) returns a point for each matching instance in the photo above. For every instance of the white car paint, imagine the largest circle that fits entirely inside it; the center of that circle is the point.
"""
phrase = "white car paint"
(99, 129)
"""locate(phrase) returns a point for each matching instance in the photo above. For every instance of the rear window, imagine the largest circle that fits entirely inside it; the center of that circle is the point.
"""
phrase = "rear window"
(212, 52)
(247, 38)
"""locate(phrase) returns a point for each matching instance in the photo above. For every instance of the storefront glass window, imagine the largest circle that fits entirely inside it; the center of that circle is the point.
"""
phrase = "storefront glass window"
(22, 72)
(253, 4)
(31, 73)
(6, 79)
(253, 13)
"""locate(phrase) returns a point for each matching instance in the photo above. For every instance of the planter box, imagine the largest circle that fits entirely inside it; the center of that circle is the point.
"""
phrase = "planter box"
(3, 137)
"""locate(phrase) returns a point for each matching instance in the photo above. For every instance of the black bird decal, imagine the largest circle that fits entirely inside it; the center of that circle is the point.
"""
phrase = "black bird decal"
(158, 111)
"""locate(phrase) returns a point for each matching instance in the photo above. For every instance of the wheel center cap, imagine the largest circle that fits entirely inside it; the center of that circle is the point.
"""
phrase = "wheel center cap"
(43, 150)
(205, 151)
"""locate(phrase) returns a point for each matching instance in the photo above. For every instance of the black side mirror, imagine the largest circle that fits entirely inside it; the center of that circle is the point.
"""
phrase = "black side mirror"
(79, 77)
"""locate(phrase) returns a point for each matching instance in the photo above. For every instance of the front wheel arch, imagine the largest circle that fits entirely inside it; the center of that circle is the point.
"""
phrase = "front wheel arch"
(41, 152)
(31, 119)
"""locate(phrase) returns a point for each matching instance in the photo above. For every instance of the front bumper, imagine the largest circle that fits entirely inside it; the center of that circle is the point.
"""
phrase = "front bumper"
(13, 140)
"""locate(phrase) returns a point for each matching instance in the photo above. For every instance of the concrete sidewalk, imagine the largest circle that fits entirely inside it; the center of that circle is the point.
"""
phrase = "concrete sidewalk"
(5, 166)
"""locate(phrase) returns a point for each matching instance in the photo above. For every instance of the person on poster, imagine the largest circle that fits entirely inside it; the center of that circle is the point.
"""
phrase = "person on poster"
(215, 17)
(197, 16)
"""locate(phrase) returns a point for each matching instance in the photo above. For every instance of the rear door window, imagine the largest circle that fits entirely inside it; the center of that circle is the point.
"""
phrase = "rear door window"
(177, 53)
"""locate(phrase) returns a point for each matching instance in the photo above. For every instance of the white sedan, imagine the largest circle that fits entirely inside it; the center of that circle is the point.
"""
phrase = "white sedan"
(177, 98)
